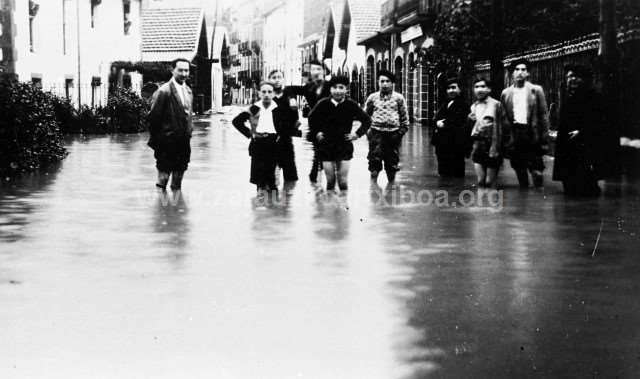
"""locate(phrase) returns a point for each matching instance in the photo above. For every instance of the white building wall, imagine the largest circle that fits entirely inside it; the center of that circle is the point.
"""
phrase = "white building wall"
(55, 55)
(283, 31)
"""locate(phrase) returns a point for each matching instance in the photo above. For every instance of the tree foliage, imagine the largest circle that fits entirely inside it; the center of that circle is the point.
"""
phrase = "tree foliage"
(463, 30)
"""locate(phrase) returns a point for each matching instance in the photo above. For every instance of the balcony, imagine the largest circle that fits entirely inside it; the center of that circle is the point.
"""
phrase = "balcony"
(405, 12)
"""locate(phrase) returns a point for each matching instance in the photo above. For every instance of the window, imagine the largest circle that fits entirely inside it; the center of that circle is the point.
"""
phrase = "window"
(94, 11)
(36, 80)
(68, 87)
(33, 12)
(126, 11)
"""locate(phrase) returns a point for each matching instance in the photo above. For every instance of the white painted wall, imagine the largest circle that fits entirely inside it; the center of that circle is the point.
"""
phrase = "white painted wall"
(99, 46)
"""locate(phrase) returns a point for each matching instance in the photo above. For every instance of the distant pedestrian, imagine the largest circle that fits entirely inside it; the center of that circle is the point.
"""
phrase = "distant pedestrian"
(526, 123)
(170, 127)
(314, 91)
(486, 115)
(330, 123)
(579, 145)
(451, 136)
(285, 157)
(267, 124)
(389, 123)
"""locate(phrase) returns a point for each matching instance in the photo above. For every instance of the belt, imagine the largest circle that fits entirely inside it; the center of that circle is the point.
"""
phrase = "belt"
(264, 135)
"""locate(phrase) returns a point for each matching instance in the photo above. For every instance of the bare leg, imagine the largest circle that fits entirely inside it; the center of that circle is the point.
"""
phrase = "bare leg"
(343, 175)
(176, 180)
(481, 174)
(163, 179)
(330, 173)
(492, 174)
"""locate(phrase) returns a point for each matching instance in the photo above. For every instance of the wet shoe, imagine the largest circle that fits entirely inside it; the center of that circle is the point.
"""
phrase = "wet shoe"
(391, 176)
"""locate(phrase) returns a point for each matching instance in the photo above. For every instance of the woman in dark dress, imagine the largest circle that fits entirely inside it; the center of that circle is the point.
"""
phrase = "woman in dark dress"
(579, 145)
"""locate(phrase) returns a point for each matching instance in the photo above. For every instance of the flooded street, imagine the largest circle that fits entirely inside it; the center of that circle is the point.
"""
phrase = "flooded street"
(100, 277)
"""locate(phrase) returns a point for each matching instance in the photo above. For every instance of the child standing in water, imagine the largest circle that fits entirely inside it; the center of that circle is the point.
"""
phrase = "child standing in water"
(330, 123)
(486, 114)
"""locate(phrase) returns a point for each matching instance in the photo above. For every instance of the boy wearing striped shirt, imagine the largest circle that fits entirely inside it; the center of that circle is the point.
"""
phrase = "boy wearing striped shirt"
(389, 123)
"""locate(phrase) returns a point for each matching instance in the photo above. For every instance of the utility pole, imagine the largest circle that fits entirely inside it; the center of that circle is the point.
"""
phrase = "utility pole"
(79, 70)
(497, 48)
(608, 58)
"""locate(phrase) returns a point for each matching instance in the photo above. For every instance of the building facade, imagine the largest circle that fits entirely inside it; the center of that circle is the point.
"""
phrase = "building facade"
(403, 45)
(283, 29)
(67, 46)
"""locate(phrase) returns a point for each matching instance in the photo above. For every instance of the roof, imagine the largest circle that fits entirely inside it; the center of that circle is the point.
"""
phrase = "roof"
(365, 17)
(170, 33)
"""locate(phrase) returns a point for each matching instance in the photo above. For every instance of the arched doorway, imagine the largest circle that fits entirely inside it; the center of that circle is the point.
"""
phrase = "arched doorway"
(355, 85)
(411, 83)
(399, 74)
(371, 75)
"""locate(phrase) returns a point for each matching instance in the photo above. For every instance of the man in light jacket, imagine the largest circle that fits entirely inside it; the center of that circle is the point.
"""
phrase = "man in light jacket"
(526, 125)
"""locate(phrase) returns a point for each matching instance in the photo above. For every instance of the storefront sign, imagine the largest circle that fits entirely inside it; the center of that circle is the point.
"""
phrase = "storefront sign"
(410, 33)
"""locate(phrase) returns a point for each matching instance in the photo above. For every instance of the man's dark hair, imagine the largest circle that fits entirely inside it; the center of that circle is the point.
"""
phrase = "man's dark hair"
(316, 62)
(174, 63)
(482, 79)
(454, 80)
(517, 62)
(580, 70)
(274, 71)
(388, 74)
(268, 83)
(339, 79)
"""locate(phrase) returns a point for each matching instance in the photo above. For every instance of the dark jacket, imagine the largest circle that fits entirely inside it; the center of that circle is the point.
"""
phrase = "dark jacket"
(583, 112)
(455, 136)
(169, 118)
(336, 121)
(284, 102)
(310, 93)
(282, 121)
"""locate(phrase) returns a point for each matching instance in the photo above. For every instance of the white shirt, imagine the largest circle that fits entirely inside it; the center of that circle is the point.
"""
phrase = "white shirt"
(265, 122)
(520, 105)
(181, 91)
(335, 102)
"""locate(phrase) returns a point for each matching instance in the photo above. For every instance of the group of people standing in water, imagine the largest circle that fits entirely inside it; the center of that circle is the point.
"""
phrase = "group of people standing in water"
(515, 126)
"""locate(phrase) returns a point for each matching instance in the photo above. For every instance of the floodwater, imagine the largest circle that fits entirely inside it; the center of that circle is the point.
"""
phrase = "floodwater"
(101, 277)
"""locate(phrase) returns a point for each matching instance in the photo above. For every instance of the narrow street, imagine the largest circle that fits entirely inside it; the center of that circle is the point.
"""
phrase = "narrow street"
(100, 277)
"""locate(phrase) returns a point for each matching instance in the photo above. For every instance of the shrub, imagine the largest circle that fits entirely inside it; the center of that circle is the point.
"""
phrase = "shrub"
(30, 135)
(66, 114)
(92, 121)
(126, 111)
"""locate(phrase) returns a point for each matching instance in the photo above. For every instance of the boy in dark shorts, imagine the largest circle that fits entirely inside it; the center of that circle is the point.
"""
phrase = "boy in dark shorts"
(486, 114)
(330, 123)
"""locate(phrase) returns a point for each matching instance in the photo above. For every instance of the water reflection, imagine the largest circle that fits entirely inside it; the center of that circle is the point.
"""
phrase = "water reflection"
(307, 283)
(172, 226)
